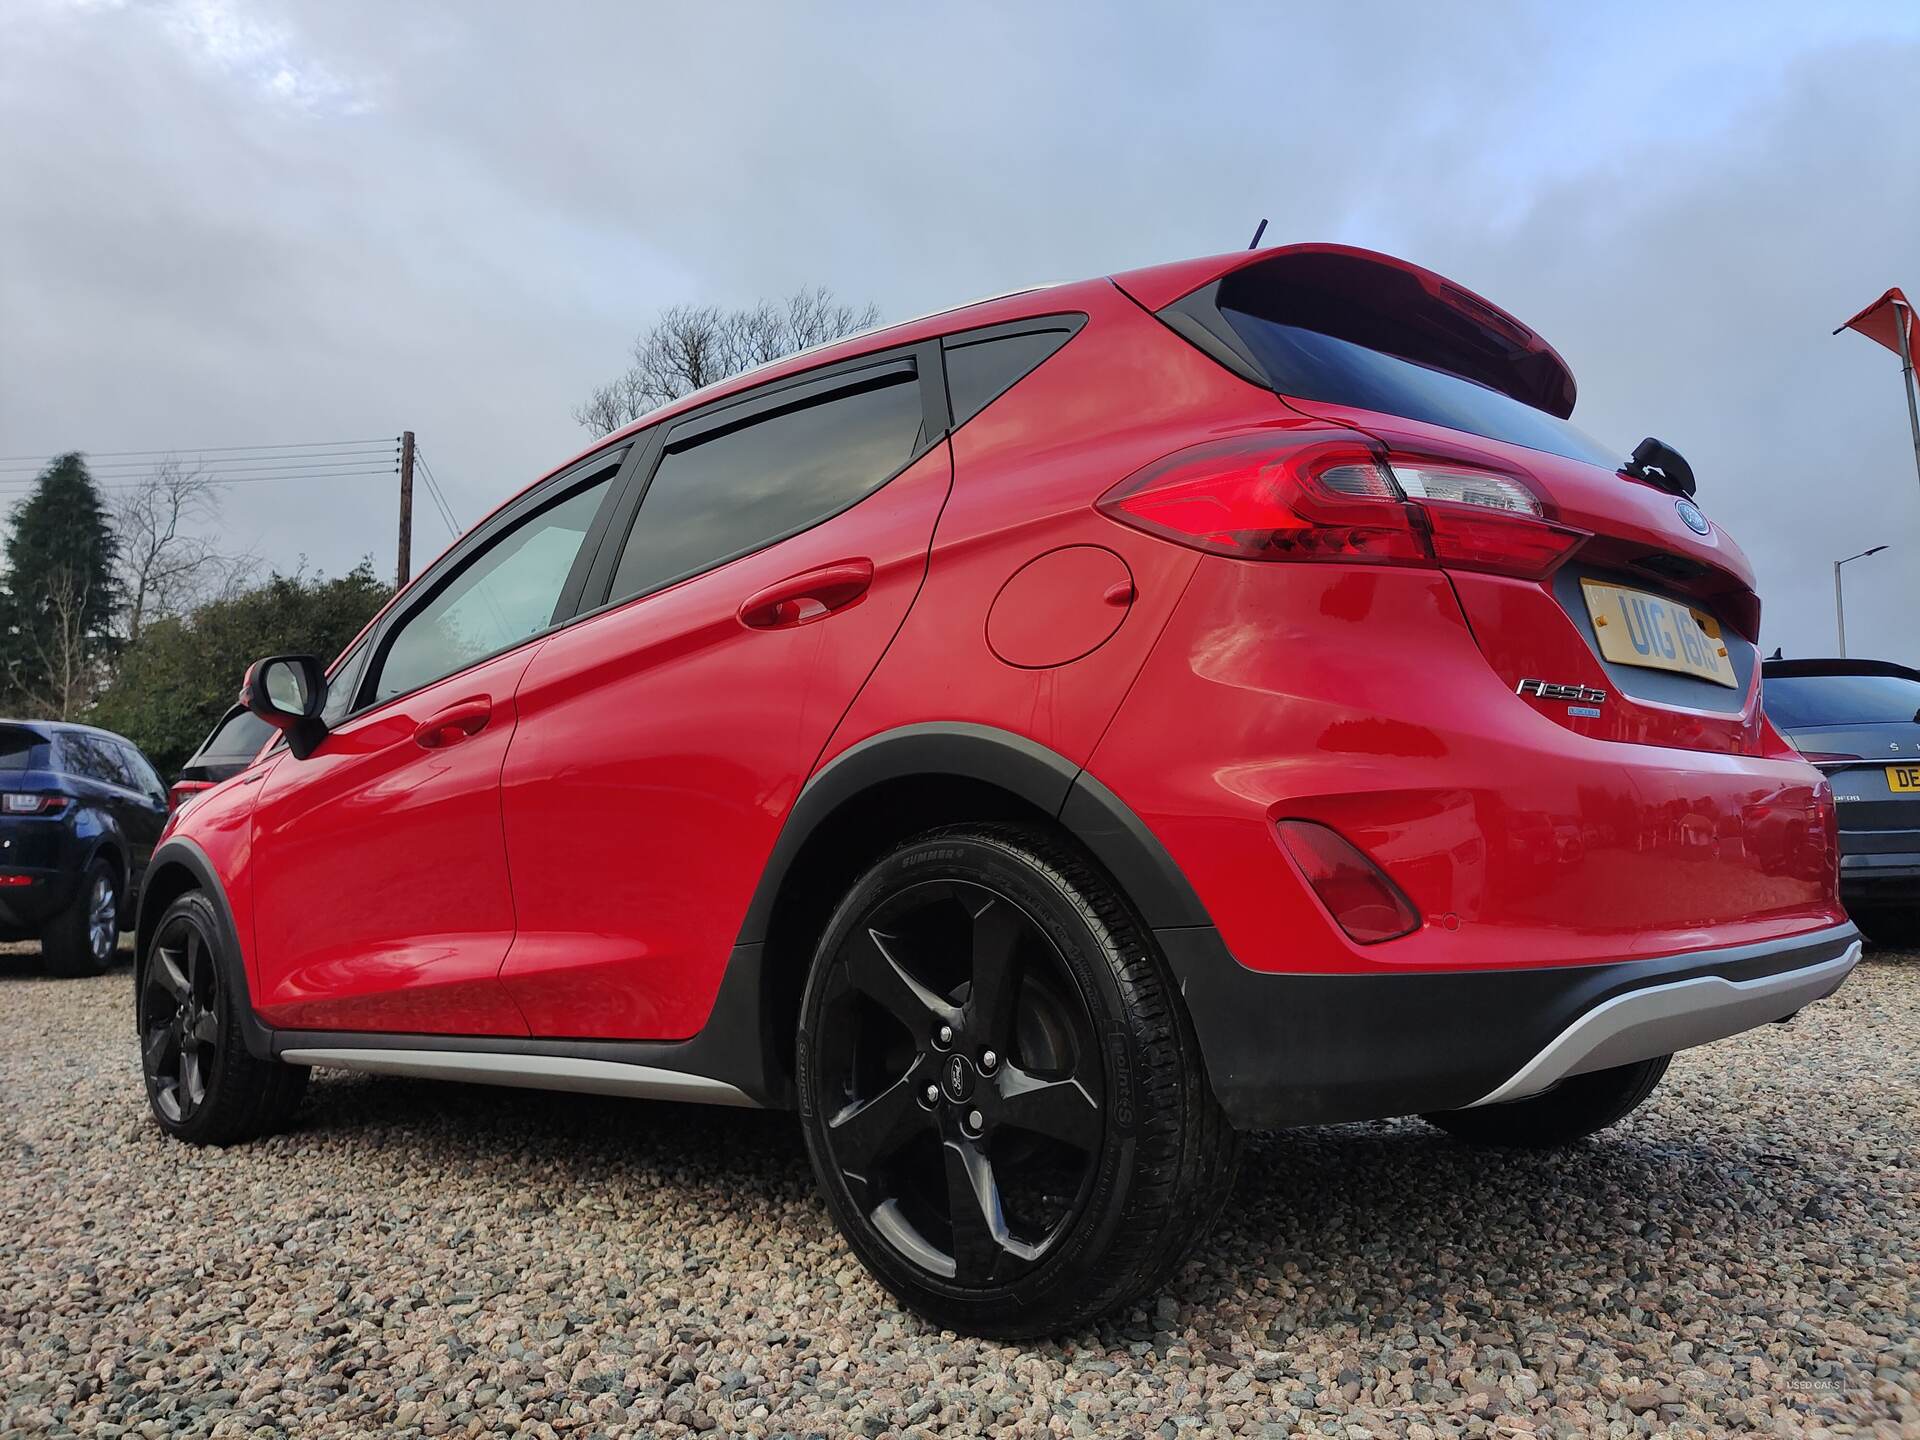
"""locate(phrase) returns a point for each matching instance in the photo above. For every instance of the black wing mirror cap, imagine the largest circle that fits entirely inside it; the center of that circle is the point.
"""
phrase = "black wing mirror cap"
(1658, 463)
(289, 692)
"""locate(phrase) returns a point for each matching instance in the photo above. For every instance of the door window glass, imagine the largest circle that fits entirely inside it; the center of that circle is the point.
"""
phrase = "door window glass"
(503, 597)
(726, 495)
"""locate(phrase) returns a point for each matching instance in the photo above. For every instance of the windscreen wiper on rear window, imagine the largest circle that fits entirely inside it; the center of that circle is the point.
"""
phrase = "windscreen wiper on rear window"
(1658, 463)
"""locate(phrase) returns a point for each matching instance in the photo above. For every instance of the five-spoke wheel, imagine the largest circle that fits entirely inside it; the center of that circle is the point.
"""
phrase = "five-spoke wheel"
(179, 1018)
(964, 1090)
(981, 1022)
(202, 1083)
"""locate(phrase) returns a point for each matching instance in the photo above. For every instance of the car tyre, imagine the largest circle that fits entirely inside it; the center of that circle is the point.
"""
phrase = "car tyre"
(1572, 1110)
(1890, 927)
(84, 938)
(202, 1084)
(1001, 1093)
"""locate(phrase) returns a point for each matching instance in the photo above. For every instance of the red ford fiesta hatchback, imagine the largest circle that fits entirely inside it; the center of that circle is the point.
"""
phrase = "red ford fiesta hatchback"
(1036, 743)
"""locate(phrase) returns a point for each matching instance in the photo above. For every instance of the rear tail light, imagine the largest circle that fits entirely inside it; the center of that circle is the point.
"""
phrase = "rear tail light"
(185, 790)
(1335, 495)
(1357, 893)
(15, 882)
(15, 803)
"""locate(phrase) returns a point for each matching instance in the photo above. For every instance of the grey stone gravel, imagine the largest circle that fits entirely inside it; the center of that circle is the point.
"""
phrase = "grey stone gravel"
(421, 1259)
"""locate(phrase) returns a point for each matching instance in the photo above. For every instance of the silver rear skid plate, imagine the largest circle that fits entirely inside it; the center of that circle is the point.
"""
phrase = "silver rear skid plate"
(1661, 1019)
(534, 1072)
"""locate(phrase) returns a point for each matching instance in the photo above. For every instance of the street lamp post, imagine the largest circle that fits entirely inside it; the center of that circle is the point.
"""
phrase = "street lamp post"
(1840, 598)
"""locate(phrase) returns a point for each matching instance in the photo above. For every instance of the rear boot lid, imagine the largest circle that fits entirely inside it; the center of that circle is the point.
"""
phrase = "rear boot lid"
(1644, 630)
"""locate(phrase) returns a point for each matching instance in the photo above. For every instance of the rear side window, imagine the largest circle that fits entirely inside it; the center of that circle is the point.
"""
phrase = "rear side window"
(1796, 702)
(1308, 365)
(981, 371)
(21, 749)
(725, 494)
(239, 737)
(94, 757)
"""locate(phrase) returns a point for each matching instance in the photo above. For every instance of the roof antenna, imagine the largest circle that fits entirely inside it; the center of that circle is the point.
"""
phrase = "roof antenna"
(1261, 229)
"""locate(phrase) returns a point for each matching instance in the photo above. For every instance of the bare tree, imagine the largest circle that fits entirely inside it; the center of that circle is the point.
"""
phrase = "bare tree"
(71, 670)
(168, 563)
(691, 346)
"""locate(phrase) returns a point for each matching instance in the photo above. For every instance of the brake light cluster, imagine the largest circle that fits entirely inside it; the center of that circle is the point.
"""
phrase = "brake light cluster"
(1335, 495)
(17, 803)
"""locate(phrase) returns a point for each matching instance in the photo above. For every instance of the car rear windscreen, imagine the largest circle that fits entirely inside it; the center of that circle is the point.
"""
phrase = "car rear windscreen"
(22, 749)
(240, 737)
(1798, 702)
(1308, 365)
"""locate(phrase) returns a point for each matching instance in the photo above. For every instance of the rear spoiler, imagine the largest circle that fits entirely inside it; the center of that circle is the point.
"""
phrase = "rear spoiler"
(1361, 296)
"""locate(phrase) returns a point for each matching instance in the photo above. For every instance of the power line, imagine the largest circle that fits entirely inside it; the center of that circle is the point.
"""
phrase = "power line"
(433, 490)
(206, 449)
(269, 461)
(22, 487)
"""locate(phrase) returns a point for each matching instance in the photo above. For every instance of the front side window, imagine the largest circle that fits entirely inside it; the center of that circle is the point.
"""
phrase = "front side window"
(342, 685)
(139, 771)
(719, 496)
(503, 597)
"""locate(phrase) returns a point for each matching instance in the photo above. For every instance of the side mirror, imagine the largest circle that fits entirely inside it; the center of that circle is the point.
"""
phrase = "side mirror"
(289, 692)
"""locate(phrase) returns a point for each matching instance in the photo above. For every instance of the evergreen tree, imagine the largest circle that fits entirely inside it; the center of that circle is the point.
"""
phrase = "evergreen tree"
(61, 594)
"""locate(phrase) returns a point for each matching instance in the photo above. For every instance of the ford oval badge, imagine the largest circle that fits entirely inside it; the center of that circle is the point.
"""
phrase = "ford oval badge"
(1690, 513)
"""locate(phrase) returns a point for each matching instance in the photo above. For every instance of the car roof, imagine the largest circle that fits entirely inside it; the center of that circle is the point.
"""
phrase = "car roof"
(47, 729)
(1836, 666)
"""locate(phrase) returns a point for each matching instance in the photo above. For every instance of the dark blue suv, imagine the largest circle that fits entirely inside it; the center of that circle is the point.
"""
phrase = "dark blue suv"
(80, 813)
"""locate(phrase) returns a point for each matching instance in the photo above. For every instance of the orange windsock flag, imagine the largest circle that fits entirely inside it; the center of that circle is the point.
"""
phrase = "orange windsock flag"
(1880, 322)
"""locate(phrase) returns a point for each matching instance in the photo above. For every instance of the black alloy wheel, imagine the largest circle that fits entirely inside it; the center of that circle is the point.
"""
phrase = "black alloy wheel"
(202, 1084)
(180, 1019)
(967, 1083)
(1000, 1091)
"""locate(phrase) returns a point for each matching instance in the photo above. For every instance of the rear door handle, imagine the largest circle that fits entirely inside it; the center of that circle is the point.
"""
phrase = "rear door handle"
(454, 724)
(809, 596)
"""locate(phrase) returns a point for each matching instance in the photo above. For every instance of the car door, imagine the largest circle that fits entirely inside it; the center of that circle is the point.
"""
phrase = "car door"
(778, 542)
(381, 897)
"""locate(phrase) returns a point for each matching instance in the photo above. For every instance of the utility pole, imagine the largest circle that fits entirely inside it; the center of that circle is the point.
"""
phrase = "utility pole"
(405, 568)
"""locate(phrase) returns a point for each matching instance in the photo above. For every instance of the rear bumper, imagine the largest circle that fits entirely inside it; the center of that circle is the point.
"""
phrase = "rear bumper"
(1299, 1049)
(1876, 878)
(25, 909)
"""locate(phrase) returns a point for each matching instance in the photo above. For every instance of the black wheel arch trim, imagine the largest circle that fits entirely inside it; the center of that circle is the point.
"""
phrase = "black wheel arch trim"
(1022, 767)
(181, 853)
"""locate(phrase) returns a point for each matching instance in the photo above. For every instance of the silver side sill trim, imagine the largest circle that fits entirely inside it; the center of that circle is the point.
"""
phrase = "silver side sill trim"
(533, 1072)
(1664, 1018)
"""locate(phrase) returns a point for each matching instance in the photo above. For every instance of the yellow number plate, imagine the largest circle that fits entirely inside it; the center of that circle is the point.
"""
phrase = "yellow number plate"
(1638, 628)
(1903, 777)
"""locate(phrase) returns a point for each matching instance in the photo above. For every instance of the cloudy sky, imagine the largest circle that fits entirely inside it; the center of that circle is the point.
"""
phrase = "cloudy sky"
(228, 224)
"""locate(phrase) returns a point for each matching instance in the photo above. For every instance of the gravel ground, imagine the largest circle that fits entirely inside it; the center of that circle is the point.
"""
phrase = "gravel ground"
(416, 1258)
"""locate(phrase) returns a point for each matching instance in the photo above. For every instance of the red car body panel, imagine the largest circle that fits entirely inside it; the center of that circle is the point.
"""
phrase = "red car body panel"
(1522, 845)
(669, 708)
(413, 836)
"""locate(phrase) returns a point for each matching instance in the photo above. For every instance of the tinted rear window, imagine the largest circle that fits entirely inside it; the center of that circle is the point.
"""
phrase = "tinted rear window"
(980, 371)
(1798, 702)
(1308, 365)
(22, 750)
(721, 496)
(239, 737)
